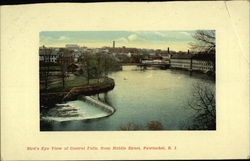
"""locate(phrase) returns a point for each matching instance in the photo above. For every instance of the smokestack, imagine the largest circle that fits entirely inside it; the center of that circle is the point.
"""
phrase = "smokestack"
(188, 51)
(113, 44)
(168, 50)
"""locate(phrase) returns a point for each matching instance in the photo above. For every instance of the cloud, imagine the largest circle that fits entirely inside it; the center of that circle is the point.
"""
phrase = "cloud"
(159, 34)
(122, 39)
(185, 33)
(149, 34)
(62, 38)
(132, 37)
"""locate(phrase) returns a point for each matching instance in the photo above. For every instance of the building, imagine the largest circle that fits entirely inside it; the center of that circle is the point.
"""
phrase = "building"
(76, 55)
(181, 61)
(48, 55)
(153, 59)
(73, 67)
(203, 62)
(124, 50)
(66, 57)
(72, 47)
(193, 62)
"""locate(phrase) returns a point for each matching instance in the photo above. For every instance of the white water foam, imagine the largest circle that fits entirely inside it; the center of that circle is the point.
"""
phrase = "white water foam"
(75, 110)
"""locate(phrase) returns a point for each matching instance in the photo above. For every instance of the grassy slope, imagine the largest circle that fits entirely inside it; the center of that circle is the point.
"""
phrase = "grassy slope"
(79, 81)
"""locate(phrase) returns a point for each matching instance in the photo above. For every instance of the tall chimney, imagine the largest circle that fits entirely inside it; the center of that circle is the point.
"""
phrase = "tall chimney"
(113, 44)
(168, 50)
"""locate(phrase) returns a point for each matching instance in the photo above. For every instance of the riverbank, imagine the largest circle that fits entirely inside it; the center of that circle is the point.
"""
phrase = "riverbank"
(208, 74)
(73, 88)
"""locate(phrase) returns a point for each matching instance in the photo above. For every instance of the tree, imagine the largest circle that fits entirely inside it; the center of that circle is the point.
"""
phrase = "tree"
(97, 66)
(204, 41)
(203, 103)
(86, 66)
(63, 74)
(101, 66)
(105, 65)
(90, 66)
(45, 73)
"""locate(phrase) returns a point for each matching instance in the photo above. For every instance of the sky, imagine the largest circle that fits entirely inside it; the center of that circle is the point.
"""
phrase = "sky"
(175, 40)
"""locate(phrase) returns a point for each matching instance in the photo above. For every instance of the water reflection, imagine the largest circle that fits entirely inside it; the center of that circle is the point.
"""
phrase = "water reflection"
(142, 96)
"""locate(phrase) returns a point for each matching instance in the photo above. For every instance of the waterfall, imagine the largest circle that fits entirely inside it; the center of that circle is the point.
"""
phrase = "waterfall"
(98, 103)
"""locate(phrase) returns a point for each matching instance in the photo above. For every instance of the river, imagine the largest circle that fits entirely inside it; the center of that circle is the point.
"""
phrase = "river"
(139, 96)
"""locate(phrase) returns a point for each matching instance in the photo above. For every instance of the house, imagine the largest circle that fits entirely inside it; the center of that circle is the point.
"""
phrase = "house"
(66, 57)
(72, 68)
(75, 68)
(48, 55)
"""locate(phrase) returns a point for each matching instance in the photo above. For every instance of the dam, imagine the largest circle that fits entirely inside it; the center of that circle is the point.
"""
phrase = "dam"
(85, 108)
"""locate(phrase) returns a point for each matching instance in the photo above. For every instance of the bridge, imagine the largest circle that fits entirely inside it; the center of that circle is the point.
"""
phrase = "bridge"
(154, 63)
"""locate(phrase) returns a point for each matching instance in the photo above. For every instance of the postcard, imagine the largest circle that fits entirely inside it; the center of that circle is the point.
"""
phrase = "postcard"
(125, 81)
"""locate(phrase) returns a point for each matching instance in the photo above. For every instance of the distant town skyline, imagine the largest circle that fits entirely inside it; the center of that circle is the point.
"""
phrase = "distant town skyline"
(175, 40)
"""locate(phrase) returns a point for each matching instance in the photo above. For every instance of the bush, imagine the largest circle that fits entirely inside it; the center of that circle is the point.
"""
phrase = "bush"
(129, 126)
(154, 125)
